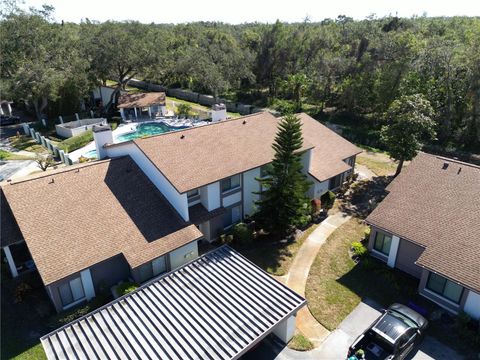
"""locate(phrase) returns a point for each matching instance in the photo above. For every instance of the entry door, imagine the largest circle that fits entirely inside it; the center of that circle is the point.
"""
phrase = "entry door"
(159, 265)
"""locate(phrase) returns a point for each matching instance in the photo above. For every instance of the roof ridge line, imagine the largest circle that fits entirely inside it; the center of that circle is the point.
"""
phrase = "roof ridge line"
(199, 127)
(60, 171)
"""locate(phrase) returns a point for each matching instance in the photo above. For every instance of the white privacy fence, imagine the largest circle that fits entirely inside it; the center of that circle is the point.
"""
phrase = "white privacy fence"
(40, 139)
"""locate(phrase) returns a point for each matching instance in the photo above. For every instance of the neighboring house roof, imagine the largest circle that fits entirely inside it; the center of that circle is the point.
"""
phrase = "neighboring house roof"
(218, 307)
(198, 156)
(74, 218)
(140, 100)
(330, 149)
(435, 202)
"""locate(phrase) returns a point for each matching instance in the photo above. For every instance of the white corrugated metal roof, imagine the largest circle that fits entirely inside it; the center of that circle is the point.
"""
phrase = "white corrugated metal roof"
(215, 307)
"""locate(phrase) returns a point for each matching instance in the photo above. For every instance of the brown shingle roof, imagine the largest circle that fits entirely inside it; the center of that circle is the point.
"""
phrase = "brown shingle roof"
(330, 149)
(75, 218)
(210, 153)
(140, 100)
(438, 208)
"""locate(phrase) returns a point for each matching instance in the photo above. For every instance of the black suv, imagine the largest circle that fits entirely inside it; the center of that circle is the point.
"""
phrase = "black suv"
(392, 336)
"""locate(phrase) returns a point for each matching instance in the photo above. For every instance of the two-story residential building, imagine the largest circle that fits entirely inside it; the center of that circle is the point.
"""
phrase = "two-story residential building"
(141, 210)
(429, 227)
(209, 173)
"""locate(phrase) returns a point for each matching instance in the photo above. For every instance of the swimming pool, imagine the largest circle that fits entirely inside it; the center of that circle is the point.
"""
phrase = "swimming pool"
(148, 129)
(92, 154)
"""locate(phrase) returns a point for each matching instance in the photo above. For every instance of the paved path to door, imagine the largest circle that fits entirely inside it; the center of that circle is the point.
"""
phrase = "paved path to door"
(298, 274)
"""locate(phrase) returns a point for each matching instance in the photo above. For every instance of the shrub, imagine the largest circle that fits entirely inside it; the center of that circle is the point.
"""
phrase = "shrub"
(359, 249)
(76, 142)
(126, 288)
(242, 233)
(327, 200)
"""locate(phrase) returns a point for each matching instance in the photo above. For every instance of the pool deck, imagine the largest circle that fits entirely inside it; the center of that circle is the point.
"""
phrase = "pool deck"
(130, 127)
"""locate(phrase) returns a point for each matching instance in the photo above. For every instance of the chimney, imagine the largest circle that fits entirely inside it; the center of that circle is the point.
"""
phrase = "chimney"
(102, 134)
(219, 112)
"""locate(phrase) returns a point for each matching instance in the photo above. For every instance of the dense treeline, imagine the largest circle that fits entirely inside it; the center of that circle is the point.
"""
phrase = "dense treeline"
(350, 70)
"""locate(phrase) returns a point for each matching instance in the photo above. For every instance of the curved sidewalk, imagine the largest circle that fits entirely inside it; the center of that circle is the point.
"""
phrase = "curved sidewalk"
(298, 274)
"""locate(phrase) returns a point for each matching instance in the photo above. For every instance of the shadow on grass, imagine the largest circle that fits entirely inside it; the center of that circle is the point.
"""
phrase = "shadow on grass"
(372, 279)
(364, 196)
(24, 322)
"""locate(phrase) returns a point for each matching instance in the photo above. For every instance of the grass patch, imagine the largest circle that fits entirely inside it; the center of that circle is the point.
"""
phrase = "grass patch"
(34, 353)
(274, 257)
(76, 142)
(379, 167)
(26, 143)
(329, 300)
(195, 106)
(7, 155)
(300, 342)
(372, 149)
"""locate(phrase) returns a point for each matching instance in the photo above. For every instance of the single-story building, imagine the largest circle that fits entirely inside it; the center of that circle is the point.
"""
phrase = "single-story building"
(138, 105)
(218, 306)
(91, 226)
(429, 227)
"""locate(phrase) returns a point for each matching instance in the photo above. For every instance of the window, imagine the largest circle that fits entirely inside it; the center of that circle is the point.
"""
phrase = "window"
(232, 216)
(193, 195)
(71, 291)
(335, 182)
(230, 183)
(265, 169)
(444, 287)
(382, 243)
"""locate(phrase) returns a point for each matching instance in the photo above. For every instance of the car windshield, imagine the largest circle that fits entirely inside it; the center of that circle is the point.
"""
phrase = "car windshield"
(406, 320)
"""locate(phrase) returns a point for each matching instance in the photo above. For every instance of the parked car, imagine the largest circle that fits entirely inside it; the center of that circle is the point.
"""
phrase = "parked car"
(8, 120)
(392, 336)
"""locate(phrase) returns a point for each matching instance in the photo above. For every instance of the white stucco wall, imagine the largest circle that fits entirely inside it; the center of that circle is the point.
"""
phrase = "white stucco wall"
(286, 329)
(306, 159)
(183, 255)
(177, 200)
(232, 199)
(249, 186)
(318, 188)
(101, 138)
(472, 305)
(213, 196)
(392, 255)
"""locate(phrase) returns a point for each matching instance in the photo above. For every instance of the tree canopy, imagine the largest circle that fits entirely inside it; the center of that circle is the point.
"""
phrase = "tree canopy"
(409, 125)
(283, 204)
(348, 70)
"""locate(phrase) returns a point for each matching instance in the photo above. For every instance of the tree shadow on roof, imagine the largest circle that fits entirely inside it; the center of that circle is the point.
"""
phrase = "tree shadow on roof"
(148, 209)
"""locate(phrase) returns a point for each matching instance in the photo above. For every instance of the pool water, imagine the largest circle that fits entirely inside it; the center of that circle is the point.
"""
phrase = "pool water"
(92, 154)
(147, 129)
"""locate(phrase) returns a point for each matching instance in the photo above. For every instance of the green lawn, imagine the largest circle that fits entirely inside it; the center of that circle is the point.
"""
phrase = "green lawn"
(273, 257)
(34, 353)
(300, 343)
(171, 100)
(26, 143)
(336, 285)
(7, 155)
(379, 167)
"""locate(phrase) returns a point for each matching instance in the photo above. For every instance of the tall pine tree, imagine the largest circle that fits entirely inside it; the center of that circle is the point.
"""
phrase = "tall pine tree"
(284, 204)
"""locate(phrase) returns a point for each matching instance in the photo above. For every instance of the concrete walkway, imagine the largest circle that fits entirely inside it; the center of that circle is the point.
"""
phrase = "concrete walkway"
(298, 274)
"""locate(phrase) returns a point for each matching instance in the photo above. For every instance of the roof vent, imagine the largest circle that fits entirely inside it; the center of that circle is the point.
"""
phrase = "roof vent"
(52, 181)
(459, 170)
(244, 122)
(182, 137)
(445, 166)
